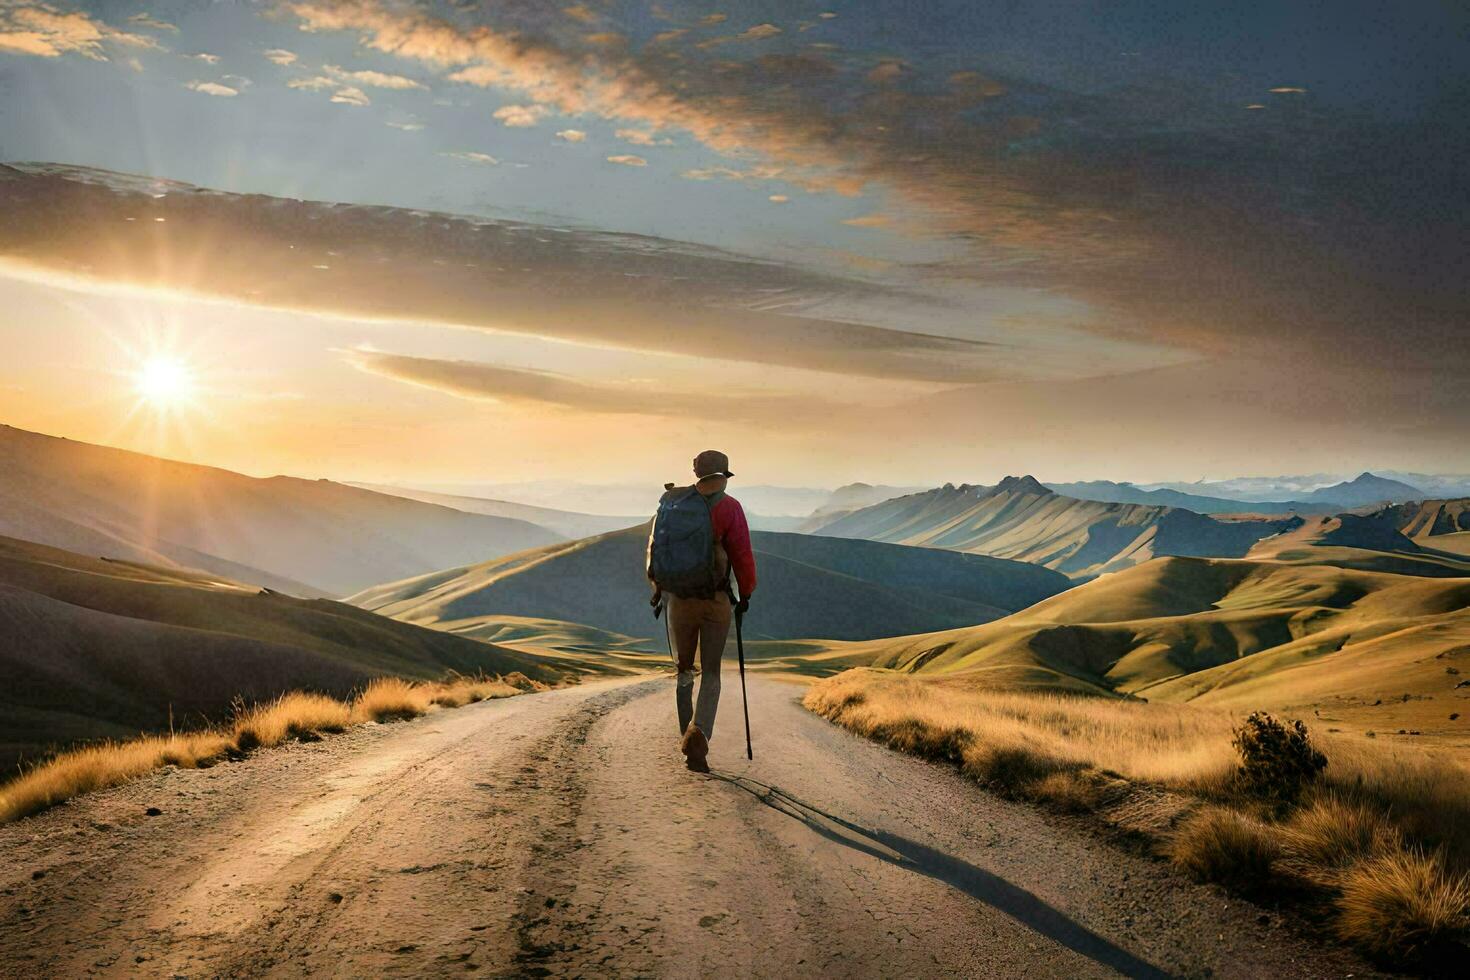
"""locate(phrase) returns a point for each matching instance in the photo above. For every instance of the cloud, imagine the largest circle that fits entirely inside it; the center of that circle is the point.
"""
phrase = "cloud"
(470, 156)
(627, 160)
(279, 56)
(212, 88)
(350, 95)
(493, 382)
(758, 33)
(1288, 90)
(407, 125)
(581, 13)
(663, 37)
(372, 79)
(149, 21)
(521, 116)
(46, 31)
(571, 135)
(709, 20)
(238, 81)
(341, 94)
(204, 56)
(778, 198)
(629, 292)
(639, 137)
(731, 173)
(316, 83)
(887, 71)
(606, 38)
(875, 220)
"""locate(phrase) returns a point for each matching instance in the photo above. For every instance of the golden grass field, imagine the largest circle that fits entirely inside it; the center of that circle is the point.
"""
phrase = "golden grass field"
(1382, 838)
(295, 715)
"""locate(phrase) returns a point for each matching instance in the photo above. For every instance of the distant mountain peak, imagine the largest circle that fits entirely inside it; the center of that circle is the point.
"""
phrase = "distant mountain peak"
(1027, 484)
(1368, 488)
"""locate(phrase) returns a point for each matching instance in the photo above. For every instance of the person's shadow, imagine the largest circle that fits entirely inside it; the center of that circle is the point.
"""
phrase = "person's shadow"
(978, 883)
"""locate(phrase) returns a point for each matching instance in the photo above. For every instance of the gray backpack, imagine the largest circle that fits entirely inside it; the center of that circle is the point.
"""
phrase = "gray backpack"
(681, 550)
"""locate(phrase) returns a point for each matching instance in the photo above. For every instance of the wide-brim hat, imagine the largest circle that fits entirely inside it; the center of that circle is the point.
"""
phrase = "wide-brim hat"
(712, 463)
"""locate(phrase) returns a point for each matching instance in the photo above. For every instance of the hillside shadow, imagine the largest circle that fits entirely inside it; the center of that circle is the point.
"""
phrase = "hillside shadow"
(975, 882)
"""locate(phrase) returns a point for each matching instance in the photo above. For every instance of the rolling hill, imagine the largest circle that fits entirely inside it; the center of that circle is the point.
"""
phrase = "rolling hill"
(1375, 649)
(809, 587)
(1022, 520)
(91, 648)
(1443, 525)
(305, 537)
(1379, 541)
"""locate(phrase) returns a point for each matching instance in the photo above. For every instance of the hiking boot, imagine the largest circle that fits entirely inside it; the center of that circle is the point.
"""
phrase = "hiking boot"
(696, 749)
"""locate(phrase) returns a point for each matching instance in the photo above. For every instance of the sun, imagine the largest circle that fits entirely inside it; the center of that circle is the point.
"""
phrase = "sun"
(164, 382)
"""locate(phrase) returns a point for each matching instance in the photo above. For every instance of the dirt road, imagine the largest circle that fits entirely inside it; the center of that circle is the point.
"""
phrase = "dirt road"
(558, 834)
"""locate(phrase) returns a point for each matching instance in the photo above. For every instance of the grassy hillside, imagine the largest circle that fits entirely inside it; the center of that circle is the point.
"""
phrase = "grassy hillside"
(102, 649)
(808, 587)
(306, 537)
(1377, 542)
(1023, 520)
(1369, 650)
(1443, 525)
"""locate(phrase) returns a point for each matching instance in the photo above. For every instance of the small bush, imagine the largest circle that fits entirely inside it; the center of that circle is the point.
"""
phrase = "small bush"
(1401, 903)
(1277, 761)
(1226, 846)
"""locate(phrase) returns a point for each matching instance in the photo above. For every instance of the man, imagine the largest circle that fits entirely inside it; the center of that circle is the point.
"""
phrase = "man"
(700, 624)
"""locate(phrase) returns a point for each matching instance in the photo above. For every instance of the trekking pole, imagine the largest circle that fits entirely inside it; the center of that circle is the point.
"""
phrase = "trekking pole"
(744, 698)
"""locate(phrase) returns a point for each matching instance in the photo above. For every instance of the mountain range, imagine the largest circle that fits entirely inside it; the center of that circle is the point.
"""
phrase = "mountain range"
(809, 587)
(1023, 520)
(304, 537)
(1364, 489)
(1127, 493)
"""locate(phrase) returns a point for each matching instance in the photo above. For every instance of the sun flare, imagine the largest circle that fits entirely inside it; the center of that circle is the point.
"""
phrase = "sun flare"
(164, 382)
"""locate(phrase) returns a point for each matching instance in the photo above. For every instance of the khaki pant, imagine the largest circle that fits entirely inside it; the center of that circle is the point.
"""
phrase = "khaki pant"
(702, 625)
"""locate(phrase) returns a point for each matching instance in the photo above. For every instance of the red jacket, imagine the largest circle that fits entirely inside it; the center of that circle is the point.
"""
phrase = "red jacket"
(733, 534)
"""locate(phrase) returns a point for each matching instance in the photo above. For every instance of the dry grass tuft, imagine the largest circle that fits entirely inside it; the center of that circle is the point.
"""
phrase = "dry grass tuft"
(1321, 840)
(1355, 842)
(460, 691)
(1032, 734)
(1226, 846)
(1401, 903)
(392, 699)
(289, 716)
(294, 715)
(100, 766)
(1071, 790)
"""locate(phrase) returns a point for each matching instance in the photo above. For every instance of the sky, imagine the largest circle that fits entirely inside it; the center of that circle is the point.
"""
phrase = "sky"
(489, 242)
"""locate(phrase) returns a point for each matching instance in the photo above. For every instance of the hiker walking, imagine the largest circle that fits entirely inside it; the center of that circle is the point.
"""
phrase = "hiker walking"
(699, 537)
